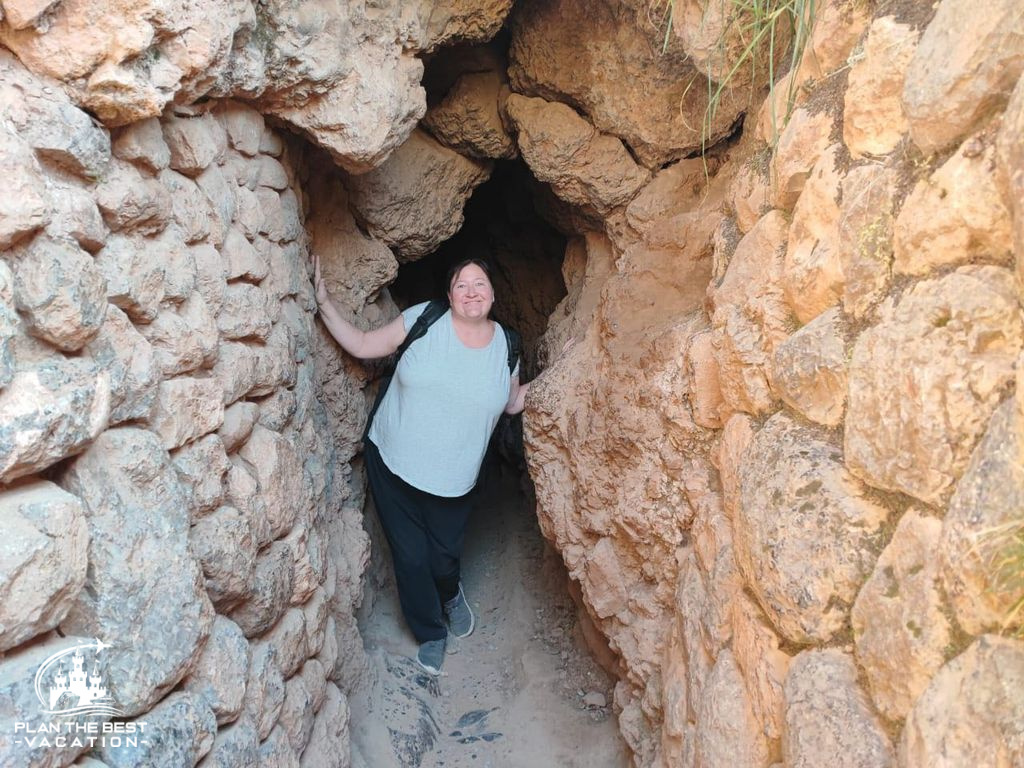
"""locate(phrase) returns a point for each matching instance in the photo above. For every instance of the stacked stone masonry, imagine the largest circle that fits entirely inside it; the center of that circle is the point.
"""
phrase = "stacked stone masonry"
(789, 410)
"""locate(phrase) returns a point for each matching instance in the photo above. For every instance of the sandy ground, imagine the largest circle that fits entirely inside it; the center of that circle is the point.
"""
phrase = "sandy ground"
(512, 695)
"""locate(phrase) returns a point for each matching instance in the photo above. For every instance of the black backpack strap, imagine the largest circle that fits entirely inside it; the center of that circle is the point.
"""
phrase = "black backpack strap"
(515, 348)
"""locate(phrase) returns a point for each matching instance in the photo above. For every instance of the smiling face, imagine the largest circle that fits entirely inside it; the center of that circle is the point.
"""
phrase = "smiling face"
(470, 294)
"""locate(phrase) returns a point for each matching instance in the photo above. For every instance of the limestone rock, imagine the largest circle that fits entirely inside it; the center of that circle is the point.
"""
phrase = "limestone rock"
(130, 202)
(142, 576)
(963, 70)
(282, 221)
(75, 216)
(277, 409)
(803, 141)
(60, 292)
(225, 546)
(873, 119)
(971, 712)
(264, 692)
(278, 471)
(42, 559)
(221, 666)
(865, 236)
(211, 276)
(469, 118)
(143, 143)
(828, 718)
(420, 170)
(246, 313)
(20, 703)
(660, 121)
(297, 715)
(750, 316)
(195, 143)
(236, 745)
(25, 206)
(243, 260)
(750, 194)
(10, 325)
(23, 13)
(898, 623)
(125, 354)
(926, 379)
(178, 731)
(762, 664)
(1010, 165)
(805, 535)
(270, 587)
(201, 466)
(460, 21)
(191, 210)
(179, 266)
(812, 273)
(330, 730)
(134, 282)
(982, 514)
(956, 216)
(727, 733)
(235, 370)
(222, 199)
(706, 393)
(50, 411)
(583, 166)
(316, 614)
(243, 492)
(315, 676)
(288, 639)
(276, 752)
(186, 408)
(239, 420)
(244, 126)
(809, 370)
(183, 338)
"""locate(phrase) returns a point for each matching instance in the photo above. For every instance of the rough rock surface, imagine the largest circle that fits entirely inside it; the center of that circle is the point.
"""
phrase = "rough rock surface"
(469, 119)
(809, 370)
(424, 177)
(806, 536)
(925, 380)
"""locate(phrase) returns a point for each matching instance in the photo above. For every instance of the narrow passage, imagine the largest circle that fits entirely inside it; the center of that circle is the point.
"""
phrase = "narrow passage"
(521, 692)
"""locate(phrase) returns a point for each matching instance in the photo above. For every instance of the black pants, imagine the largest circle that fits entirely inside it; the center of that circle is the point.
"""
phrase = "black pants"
(425, 533)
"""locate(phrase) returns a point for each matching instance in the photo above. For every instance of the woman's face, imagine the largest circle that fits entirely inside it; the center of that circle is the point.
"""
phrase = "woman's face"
(470, 294)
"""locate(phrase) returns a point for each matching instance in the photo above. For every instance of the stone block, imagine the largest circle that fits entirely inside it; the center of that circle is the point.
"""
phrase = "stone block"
(236, 746)
(201, 466)
(125, 354)
(186, 408)
(135, 283)
(60, 292)
(898, 621)
(243, 260)
(243, 492)
(865, 236)
(288, 639)
(727, 732)
(246, 313)
(270, 587)
(469, 118)
(224, 544)
(276, 752)
(131, 202)
(75, 216)
(926, 379)
(264, 691)
(219, 674)
(42, 559)
(211, 276)
(142, 575)
(244, 126)
(143, 143)
(297, 713)
(278, 471)
(828, 718)
(25, 206)
(190, 208)
(239, 419)
(49, 412)
(806, 535)
(178, 732)
(809, 370)
(195, 143)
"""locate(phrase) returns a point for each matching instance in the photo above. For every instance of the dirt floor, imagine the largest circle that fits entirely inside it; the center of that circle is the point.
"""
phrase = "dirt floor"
(520, 692)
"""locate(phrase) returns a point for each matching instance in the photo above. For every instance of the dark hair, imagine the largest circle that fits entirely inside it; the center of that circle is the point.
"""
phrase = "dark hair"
(454, 270)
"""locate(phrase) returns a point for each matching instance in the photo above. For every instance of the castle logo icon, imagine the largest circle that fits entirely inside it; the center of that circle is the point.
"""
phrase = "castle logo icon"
(70, 682)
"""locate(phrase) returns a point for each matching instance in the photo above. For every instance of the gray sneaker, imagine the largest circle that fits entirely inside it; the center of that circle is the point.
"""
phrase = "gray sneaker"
(431, 656)
(459, 615)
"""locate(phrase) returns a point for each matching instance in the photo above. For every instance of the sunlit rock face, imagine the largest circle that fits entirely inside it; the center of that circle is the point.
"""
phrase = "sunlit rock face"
(778, 414)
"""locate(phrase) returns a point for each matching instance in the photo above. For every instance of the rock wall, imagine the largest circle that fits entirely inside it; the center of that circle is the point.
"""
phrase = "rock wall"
(788, 415)
(170, 485)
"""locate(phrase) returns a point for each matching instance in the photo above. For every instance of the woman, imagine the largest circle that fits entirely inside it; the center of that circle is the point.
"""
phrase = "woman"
(427, 442)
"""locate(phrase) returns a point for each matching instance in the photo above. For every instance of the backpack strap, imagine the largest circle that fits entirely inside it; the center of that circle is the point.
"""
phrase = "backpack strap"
(515, 348)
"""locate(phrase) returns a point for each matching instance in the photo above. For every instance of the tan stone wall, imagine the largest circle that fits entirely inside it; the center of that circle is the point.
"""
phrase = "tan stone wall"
(789, 413)
(171, 483)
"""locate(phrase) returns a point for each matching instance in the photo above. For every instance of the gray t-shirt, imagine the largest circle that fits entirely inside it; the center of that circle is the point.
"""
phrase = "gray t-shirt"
(434, 423)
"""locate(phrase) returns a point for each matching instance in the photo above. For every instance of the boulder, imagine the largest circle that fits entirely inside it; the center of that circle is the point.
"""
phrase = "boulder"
(962, 71)
(421, 176)
(178, 731)
(186, 408)
(583, 166)
(201, 466)
(469, 118)
(971, 712)
(129, 359)
(809, 370)
(828, 718)
(219, 670)
(226, 548)
(926, 379)
(806, 535)
(865, 236)
(142, 575)
(42, 559)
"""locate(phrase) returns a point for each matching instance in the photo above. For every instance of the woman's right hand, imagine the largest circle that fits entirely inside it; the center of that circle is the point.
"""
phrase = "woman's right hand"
(320, 287)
